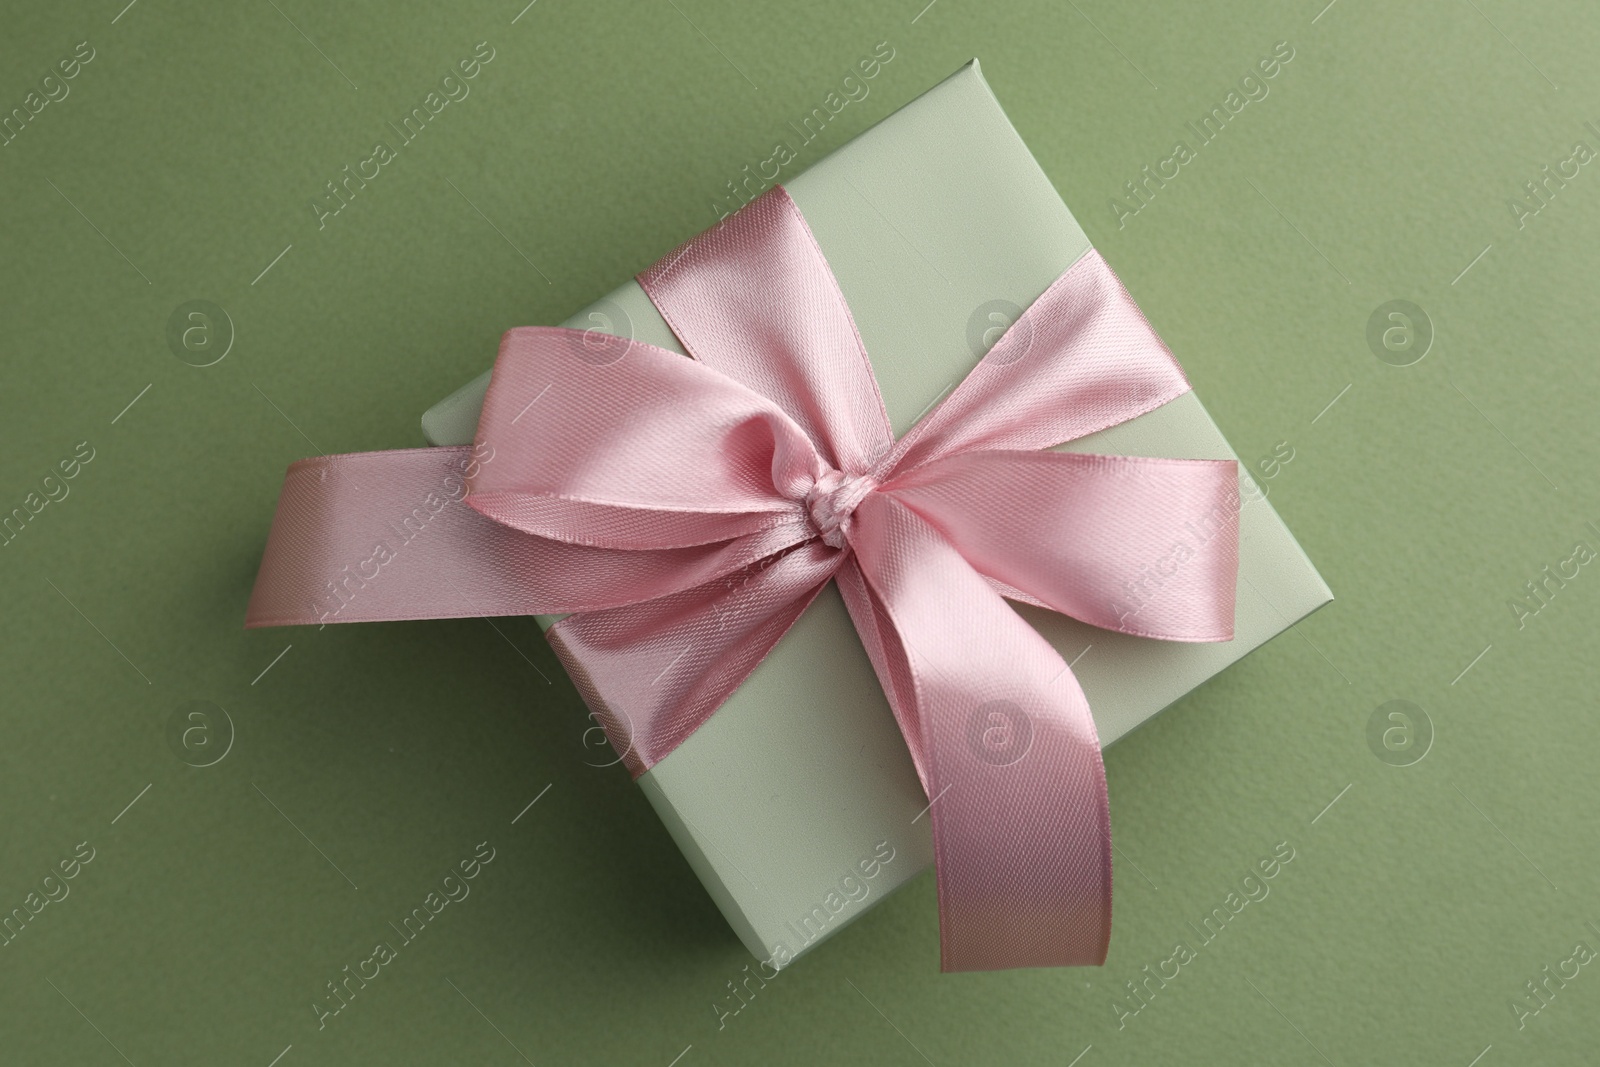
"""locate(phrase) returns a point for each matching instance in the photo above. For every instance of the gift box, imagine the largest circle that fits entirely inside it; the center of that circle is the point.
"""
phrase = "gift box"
(797, 803)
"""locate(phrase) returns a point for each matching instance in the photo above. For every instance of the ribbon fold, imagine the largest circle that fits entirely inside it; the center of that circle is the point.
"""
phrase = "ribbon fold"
(687, 511)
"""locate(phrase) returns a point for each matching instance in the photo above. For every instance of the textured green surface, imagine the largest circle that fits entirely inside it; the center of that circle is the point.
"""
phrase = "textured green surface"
(208, 923)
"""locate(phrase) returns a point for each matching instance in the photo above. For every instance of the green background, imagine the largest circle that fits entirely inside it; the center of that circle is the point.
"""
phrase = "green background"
(219, 904)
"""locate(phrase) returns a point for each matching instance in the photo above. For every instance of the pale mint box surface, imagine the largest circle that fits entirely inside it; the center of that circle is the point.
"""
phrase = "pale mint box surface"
(797, 804)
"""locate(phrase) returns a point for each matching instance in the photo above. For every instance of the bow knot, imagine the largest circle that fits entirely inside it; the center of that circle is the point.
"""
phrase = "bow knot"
(832, 501)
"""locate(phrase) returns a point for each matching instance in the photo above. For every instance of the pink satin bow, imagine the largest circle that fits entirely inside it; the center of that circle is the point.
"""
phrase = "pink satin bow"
(688, 510)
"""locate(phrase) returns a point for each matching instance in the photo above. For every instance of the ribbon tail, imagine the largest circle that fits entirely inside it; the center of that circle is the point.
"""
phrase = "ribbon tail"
(1080, 359)
(383, 536)
(888, 656)
(380, 536)
(1009, 754)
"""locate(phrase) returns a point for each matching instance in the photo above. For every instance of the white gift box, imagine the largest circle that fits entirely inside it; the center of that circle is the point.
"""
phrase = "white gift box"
(796, 803)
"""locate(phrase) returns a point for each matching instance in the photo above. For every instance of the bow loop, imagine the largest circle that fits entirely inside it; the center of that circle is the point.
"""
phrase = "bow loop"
(640, 450)
(1080, 359)
(1140, 546)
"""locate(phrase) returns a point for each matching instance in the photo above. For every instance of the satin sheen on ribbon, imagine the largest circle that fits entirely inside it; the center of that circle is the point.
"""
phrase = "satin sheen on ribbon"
(687, 511)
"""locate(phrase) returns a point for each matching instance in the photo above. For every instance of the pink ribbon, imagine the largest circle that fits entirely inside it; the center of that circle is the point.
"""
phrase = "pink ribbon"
(686, 511)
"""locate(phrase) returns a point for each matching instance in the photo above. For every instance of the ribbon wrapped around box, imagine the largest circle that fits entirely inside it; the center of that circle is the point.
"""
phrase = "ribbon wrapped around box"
(684, 515)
